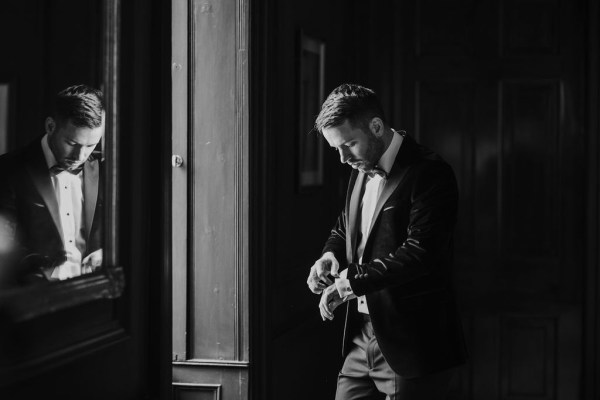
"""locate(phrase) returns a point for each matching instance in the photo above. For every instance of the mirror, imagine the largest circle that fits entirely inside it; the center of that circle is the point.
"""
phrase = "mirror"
(58, 141)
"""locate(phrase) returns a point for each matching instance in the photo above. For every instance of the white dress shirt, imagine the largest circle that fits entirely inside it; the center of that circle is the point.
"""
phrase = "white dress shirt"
(69, 194)
(373, 188)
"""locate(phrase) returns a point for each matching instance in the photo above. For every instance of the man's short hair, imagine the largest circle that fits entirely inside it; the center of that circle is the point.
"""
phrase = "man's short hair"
(351, 102)
(80, 104)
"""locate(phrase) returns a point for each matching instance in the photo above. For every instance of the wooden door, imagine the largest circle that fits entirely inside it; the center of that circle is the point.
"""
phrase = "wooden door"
(210, 199)
(497, 88)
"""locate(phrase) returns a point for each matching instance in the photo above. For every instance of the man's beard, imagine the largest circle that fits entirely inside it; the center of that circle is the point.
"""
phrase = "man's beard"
(374, 153)
(69, 165)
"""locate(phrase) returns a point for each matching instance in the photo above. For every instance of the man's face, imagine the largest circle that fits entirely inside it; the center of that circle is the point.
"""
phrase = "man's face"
(70, 144)
(357, 147)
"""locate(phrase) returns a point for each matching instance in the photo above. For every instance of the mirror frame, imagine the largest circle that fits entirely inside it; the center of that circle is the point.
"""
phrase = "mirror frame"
(108, 283)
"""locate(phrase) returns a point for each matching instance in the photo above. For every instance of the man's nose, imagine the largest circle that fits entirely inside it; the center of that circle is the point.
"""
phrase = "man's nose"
(79, 154)
(344, 156)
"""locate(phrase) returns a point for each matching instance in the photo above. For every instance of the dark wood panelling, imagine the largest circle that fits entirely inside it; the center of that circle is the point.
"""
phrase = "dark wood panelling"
(448, 30)
(530, 27)
(529, 357)
(195, 391)
(445, 120)
(227, 381)
(530, 140)
(484, 348)
(591, 337)
(503, 106)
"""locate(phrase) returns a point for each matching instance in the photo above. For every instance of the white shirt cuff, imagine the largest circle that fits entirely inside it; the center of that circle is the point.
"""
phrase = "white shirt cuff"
(342, 284)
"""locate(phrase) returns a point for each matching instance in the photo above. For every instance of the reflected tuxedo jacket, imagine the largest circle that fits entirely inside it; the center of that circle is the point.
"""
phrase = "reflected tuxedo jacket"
(27, 194)
(407, 262)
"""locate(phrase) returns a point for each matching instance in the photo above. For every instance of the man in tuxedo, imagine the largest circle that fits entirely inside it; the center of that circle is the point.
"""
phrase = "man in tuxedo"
(50, 191)
(389, 257)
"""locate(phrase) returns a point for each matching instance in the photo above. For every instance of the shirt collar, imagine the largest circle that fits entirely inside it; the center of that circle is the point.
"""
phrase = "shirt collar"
(48, 155)
(387, 159)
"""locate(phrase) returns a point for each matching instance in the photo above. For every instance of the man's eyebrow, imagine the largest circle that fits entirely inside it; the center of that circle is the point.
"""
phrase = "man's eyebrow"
(341, 144)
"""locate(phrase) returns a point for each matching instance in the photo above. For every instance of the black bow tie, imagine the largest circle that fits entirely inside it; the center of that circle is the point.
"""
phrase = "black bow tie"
(378, 171)
(57, 169)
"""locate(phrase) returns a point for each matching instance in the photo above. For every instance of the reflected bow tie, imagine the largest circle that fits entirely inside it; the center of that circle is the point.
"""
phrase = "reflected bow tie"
(378, 171)
(57, 169)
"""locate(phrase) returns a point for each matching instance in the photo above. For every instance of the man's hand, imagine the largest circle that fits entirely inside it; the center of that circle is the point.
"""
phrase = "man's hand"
(330, 300)
(317, 278)
(92, 262)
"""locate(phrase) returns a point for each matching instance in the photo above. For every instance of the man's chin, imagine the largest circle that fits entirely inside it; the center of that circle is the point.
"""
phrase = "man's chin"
(72, 166)
(365, 169)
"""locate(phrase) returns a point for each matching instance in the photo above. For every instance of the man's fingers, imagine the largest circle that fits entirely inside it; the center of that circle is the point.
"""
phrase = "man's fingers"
(323, 270)
(314, 285)
(335, 267)
(334, 270)
(325, 312)
(315, 290)
(324, 279)
(326, 282)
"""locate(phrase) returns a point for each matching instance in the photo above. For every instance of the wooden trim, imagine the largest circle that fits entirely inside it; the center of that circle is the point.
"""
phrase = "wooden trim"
(180, 131)
(47, 362)
(242, 177)
(165, 338)
(591, 353)
(260, 214)
(31, 302)
(110, 46)
(212, 363)
(198, 387)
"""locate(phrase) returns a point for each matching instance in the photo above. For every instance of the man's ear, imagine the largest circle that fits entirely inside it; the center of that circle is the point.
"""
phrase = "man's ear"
(50, 125)
(376, 127)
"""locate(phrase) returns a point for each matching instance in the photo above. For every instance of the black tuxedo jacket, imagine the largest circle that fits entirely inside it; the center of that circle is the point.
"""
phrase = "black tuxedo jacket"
(407, 262)
(27, 194)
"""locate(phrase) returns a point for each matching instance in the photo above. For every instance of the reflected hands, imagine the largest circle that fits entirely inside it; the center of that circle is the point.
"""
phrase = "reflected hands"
(92, 262)
(330, 300)
(318, 277)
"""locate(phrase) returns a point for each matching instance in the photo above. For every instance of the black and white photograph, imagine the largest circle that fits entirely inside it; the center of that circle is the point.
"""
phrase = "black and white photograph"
(292, 200)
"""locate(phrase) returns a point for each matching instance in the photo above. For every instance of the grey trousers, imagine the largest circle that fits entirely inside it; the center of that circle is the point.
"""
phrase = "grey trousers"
(366, 375)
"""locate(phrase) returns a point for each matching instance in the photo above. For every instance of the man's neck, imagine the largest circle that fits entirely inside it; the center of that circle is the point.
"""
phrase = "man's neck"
(386, 138)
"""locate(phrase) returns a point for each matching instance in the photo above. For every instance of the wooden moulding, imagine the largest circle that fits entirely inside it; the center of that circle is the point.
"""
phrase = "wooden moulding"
(23, 304)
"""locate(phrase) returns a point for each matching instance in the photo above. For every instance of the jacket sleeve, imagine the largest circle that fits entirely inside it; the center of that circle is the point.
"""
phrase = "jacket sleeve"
(434, 201)
(336, 243)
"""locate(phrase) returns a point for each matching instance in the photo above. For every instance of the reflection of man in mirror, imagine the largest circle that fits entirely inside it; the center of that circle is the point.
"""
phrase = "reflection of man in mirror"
(52, 187)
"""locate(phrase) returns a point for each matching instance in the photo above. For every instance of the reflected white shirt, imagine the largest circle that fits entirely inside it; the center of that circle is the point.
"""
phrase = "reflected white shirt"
(68, 189)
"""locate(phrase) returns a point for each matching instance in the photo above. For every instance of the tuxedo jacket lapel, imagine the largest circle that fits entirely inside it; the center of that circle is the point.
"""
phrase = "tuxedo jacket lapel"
(36, 167)
(90, 193)
(405, 157)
